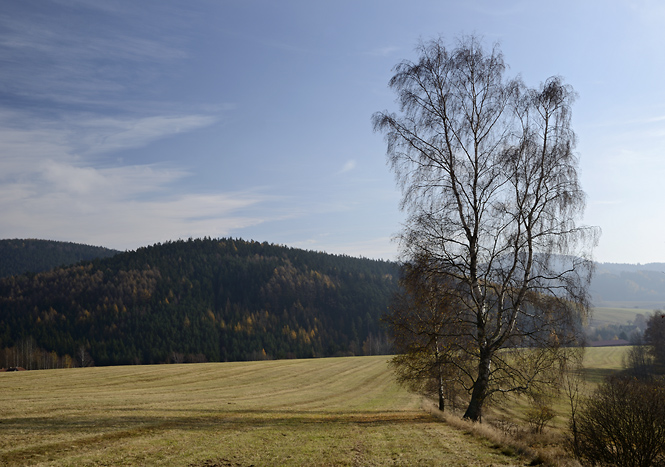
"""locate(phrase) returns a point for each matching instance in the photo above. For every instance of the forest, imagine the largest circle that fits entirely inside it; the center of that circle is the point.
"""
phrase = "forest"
(18, 256)
(196, 300)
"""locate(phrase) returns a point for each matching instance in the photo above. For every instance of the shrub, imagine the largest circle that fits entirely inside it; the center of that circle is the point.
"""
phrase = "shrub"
(654, 335)
(623, 424)
(539, 416)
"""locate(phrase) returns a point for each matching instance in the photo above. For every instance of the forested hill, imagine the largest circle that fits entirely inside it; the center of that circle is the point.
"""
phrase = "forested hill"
(629, 285)
(198, 300)
(22, 256)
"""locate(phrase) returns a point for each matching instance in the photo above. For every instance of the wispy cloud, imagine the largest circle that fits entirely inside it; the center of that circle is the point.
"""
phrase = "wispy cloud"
(121, 223)
(87, 60)
(47, 191)
(348, 166)
(89, 86)
(51, 185)
(386, 51)
(376, 248)
(27, 142)
(106, 134)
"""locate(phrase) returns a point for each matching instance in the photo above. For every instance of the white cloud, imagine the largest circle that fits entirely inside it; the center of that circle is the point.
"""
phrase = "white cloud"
(348, 166)
(59, 148)
(51, 189)
(122, 223)
(376, 248)
(72, 90)
(117, 182)
(122, 207)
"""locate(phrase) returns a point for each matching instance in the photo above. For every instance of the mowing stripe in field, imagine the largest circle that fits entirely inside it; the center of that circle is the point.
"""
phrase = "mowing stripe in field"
(340, 411)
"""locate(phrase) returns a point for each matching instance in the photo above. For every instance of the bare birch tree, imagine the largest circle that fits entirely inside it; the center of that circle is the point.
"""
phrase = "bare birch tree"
(490, 184)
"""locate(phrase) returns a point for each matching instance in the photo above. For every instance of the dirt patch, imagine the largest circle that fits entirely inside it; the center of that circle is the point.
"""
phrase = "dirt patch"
(221, 462)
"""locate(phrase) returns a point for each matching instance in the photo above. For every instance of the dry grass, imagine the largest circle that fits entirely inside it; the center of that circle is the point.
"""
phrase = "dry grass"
(505, 423)
(345, 411)
(326, 412)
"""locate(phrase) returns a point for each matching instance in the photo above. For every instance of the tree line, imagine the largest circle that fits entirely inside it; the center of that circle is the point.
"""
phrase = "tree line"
(201, 300)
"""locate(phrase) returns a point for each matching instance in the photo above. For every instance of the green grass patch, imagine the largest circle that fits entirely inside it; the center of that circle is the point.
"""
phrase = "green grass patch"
(600, 362)
(607, 315)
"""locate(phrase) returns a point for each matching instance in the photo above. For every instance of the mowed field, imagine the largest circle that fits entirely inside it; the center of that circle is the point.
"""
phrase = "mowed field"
(599, 362)
(606, 315)
(326, 412)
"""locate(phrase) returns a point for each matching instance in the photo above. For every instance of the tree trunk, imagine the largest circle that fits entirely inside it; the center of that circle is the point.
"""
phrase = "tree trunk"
(475, 409)
(442, 400)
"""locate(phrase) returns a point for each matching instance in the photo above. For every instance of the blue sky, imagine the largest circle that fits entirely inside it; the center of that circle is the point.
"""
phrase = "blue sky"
(126, 123)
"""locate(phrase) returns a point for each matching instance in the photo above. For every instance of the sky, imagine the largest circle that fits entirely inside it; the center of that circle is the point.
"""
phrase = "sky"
(124, 123)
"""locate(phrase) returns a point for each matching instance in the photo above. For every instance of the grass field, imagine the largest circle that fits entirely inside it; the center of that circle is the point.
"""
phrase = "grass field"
(599, 362)
(606, 315)
(340, 411)
(345, 411)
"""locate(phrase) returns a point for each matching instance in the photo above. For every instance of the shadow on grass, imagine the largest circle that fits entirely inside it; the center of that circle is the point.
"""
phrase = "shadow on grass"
(89, 432)
(598, 375)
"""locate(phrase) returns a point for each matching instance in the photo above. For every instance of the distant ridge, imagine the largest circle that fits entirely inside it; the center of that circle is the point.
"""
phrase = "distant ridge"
(620, 285)
(629, 285)
(628, 267)
(222, 299)
(20, 256)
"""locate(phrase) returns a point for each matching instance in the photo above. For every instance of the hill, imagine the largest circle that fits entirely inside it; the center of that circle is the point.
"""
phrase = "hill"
(629, 285)
(614, 285)
(214, 300)
(29, 255)
(228, 300)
